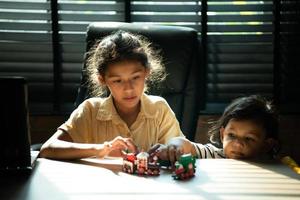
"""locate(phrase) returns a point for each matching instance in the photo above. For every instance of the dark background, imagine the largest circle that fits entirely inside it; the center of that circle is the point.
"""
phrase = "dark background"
(249, 47)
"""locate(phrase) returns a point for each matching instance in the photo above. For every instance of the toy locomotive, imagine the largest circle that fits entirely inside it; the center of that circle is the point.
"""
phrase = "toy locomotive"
(143, 164)
(184, 167)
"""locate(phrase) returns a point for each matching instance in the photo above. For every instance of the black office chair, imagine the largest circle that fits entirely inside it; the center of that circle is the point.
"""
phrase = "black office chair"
(184, 88)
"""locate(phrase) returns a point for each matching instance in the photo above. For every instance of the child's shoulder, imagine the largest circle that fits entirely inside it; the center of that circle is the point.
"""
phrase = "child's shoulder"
(153, 99)
(155, 105)
(94, 102)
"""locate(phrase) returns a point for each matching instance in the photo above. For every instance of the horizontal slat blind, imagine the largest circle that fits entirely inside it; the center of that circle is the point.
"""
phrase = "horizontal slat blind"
(289, 56)
(26, 49)
(239, 44)
(175, 12)
(74, 17)
(240, 50)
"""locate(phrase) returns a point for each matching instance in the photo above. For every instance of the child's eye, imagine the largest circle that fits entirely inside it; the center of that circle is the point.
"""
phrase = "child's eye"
(249, 139)
(136, 77)
(231, 135)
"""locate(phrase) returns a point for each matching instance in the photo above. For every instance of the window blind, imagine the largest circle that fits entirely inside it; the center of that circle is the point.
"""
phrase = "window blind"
(237, 36)
(175, 12)
(288, 55)
(239, 47)
(74, 17)
(240, 50)
(26, 49)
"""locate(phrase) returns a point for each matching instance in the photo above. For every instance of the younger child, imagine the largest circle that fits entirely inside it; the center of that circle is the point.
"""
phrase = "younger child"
(120, 64)
(248, 128)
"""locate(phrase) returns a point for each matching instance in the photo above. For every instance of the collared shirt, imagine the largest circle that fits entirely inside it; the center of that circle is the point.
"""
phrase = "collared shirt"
(96, 121)
(208, 151)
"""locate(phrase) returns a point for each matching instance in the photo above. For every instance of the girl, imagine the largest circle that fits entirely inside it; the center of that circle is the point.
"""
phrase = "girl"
(247, 129)
(120, 64)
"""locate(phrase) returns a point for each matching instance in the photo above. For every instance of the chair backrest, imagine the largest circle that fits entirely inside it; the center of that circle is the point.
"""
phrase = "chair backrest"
(184, 88)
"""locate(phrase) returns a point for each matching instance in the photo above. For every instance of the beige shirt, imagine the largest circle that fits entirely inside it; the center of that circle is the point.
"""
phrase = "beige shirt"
(96, 121)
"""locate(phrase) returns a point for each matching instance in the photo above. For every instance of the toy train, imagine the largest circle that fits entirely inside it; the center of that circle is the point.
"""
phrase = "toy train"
(143, 164)
(184, 167)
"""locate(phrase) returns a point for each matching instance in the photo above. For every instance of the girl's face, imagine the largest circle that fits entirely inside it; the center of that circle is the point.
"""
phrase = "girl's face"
(243, 139)
(126, 81)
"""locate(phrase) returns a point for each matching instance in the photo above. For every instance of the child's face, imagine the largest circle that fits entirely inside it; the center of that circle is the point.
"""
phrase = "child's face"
(243, 139)
(126, 81)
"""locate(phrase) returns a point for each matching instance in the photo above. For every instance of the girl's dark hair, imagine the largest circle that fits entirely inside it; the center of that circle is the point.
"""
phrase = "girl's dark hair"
(254, 108)
(122, 46)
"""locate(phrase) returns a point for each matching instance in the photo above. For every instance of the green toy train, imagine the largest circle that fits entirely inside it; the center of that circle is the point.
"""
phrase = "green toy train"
(184, 167)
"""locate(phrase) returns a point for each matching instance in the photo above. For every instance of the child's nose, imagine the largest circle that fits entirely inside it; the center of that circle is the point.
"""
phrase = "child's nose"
(239, 143)
(128, 85)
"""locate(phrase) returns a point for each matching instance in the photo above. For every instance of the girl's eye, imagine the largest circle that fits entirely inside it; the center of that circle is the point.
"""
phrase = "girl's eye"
(136, 77)
(116, 81)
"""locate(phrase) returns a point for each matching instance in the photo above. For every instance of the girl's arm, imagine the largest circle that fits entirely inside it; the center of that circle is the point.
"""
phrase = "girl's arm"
(61, 146)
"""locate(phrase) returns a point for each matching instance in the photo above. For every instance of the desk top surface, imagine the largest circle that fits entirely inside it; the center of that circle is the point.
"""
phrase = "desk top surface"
(104, 179)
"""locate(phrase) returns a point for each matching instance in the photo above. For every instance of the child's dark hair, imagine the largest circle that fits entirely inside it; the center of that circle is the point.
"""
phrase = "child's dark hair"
(255, 108)
(122, 46)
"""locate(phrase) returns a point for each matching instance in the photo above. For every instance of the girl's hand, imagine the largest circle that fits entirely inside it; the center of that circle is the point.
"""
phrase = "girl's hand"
(120, 144)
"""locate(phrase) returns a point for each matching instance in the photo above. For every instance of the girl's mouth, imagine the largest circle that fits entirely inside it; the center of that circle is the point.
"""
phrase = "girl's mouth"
(129, 98)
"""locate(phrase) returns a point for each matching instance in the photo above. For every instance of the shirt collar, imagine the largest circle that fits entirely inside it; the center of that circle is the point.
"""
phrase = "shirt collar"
(107, 110)
(147, 109)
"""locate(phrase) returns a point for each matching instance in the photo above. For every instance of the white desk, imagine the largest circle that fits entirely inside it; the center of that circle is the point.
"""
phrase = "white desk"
(103, 179)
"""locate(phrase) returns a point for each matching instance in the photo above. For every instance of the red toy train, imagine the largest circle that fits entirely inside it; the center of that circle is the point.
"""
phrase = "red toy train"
(141, 164)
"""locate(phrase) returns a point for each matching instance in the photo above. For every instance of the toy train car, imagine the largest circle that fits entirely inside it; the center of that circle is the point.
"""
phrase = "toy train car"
(184, 167)
(141, 164)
